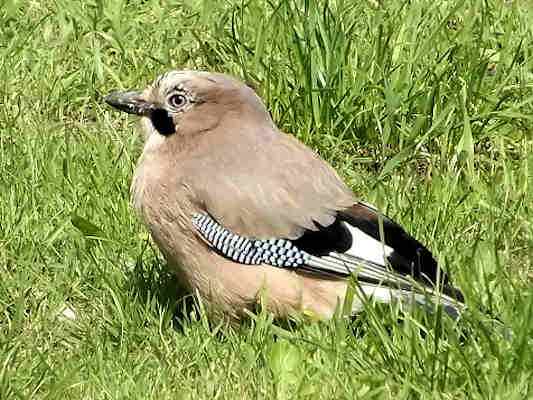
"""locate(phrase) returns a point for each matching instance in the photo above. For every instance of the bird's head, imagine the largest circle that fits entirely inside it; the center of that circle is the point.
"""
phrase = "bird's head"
(187, 103)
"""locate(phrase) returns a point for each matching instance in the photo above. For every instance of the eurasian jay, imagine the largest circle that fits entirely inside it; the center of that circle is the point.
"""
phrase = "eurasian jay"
(241, 210)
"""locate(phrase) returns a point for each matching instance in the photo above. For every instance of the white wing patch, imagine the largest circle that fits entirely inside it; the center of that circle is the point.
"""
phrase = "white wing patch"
(367, 248)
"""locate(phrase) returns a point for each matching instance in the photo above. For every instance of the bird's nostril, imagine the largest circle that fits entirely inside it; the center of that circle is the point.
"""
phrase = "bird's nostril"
(162, 122)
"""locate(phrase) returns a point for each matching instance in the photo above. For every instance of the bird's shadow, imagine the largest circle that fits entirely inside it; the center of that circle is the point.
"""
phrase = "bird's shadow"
(153, 280)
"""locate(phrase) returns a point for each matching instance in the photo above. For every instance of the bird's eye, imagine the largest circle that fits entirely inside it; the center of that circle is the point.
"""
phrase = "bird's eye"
(177, 100)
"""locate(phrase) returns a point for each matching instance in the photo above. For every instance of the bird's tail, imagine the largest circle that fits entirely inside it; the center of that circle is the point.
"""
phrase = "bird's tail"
(375, 282)
(427, 299)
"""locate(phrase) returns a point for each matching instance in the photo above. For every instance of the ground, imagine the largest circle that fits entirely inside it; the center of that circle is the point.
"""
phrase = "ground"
(424, 107)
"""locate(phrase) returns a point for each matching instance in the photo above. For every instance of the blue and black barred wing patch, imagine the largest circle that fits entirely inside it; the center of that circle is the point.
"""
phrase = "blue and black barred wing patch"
(276, 252)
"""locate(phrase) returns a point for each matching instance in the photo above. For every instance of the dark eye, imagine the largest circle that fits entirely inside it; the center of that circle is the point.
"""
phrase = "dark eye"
(177, 100)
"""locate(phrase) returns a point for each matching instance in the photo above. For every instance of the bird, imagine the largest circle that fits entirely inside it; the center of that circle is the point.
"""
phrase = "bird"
(246, 214)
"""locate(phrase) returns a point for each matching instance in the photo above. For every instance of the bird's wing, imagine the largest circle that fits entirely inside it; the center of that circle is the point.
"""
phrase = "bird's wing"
(349, 246)
(289, 209)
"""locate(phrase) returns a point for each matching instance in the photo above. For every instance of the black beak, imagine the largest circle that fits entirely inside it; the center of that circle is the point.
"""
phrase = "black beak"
(130, 102)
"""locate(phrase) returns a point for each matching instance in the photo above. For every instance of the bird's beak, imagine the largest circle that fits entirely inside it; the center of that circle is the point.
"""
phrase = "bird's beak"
(131, 102)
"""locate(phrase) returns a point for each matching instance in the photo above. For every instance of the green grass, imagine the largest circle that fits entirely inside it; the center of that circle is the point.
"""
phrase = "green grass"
(425, 107)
